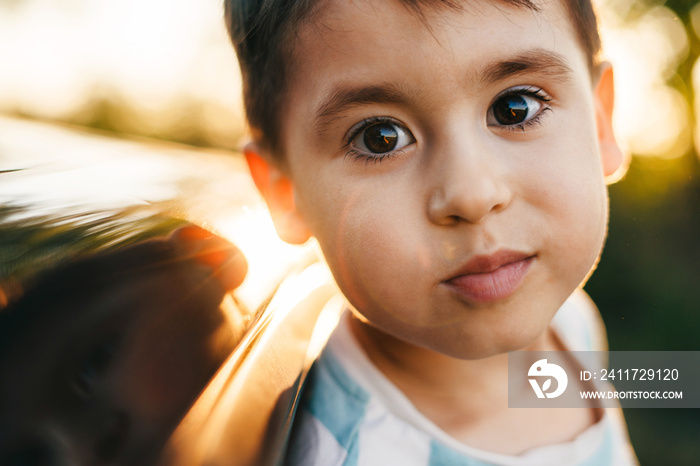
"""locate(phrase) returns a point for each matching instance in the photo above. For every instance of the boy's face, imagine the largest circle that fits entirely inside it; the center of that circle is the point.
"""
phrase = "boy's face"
(452, 173)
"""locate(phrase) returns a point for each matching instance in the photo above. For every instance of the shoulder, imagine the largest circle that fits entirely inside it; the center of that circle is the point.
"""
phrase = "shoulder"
(345, 423)
(350, 415)
(330, 415)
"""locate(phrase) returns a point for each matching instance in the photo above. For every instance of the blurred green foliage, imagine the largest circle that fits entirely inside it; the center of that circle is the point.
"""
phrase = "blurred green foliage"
(647, 287)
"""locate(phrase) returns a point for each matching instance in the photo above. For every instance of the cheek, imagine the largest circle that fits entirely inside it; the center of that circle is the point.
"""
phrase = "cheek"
(575, 205)
(372, 240)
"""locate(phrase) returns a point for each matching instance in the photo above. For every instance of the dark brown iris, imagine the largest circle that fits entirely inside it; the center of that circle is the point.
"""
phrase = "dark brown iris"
(381, 138)
(510, 110)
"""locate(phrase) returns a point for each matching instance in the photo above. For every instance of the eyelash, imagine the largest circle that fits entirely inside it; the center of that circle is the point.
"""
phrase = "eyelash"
(530, 91)
(367, 157)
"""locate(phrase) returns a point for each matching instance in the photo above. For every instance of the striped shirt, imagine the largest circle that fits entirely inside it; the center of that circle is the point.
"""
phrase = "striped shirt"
(352, 415)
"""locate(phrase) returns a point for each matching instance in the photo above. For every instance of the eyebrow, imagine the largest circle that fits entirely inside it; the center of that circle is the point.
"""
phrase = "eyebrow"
(537, 61)
(347, 96)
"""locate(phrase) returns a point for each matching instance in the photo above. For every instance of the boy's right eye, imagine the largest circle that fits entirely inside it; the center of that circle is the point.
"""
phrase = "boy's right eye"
(378, 138)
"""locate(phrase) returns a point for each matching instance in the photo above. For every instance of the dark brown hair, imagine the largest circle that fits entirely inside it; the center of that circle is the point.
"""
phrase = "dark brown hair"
(262, 34)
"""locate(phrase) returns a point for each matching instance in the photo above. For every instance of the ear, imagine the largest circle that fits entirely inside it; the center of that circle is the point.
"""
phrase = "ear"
(604, 96)
(278, 191)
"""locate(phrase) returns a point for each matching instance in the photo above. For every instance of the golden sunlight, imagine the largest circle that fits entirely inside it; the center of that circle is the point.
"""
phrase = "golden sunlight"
(153, 67)
(651, 118)
(269, 258)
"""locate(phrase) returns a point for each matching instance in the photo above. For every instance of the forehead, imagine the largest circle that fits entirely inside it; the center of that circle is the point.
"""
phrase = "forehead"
(371, 30)
(405, 19)
(363, 43)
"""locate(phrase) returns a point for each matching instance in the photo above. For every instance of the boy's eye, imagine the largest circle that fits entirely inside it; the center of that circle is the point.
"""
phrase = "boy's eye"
(379, 136)
(517, 107)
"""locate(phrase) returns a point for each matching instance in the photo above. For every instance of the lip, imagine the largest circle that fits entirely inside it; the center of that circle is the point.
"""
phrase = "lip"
(492, 277)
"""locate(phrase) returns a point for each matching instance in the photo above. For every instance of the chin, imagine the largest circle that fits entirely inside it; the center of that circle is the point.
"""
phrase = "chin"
(472, 354)
(482, 347)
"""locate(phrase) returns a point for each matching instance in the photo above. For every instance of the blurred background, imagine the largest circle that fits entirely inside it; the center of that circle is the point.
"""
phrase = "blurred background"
(105, 105)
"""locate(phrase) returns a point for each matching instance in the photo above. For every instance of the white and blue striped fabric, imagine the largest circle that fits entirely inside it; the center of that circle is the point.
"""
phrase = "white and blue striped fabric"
(354, 416)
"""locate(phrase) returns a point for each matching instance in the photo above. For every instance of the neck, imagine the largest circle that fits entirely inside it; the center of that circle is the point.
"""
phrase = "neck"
(468, 399)
(420, 372)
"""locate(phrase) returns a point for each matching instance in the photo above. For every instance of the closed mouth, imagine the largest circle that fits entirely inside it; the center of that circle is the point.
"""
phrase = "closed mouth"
(491, 277)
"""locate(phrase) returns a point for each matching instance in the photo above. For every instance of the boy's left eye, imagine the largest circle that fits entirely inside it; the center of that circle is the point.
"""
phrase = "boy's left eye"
(517, 107)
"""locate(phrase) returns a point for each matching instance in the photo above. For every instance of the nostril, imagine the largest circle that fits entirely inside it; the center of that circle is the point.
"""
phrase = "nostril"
(31, 455)
(113, 431)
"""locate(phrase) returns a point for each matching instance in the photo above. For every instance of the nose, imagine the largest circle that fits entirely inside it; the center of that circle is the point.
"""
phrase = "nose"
(468, 182)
